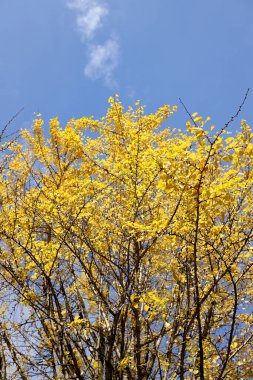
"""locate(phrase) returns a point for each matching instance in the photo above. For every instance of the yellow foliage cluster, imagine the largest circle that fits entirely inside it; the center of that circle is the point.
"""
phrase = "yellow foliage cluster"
(129, 253)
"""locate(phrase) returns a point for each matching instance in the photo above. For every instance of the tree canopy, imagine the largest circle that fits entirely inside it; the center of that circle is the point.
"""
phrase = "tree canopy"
(126, 249)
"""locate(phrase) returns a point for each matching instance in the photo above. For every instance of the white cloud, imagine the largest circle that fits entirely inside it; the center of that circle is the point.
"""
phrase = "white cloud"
(89, 17)
(103, 59)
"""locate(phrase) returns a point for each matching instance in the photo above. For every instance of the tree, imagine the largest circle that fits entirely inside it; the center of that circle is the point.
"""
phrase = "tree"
(128, 255)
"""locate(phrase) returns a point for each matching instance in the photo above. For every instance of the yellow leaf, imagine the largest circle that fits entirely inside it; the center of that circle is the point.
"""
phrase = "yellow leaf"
(227, 158)
(95, 365)
(198, 119)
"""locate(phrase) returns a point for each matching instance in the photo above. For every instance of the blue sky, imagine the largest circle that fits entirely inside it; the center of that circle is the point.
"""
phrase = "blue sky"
(66, 57)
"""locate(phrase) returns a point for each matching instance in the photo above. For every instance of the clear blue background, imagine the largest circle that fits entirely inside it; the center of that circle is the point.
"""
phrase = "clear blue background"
(199, 50)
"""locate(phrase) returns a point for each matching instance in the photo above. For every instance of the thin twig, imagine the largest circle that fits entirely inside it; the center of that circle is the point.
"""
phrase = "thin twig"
(9, 122)
(227, 123)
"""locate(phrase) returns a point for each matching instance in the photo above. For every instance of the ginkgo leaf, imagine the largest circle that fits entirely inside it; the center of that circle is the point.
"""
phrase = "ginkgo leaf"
(227, 158)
